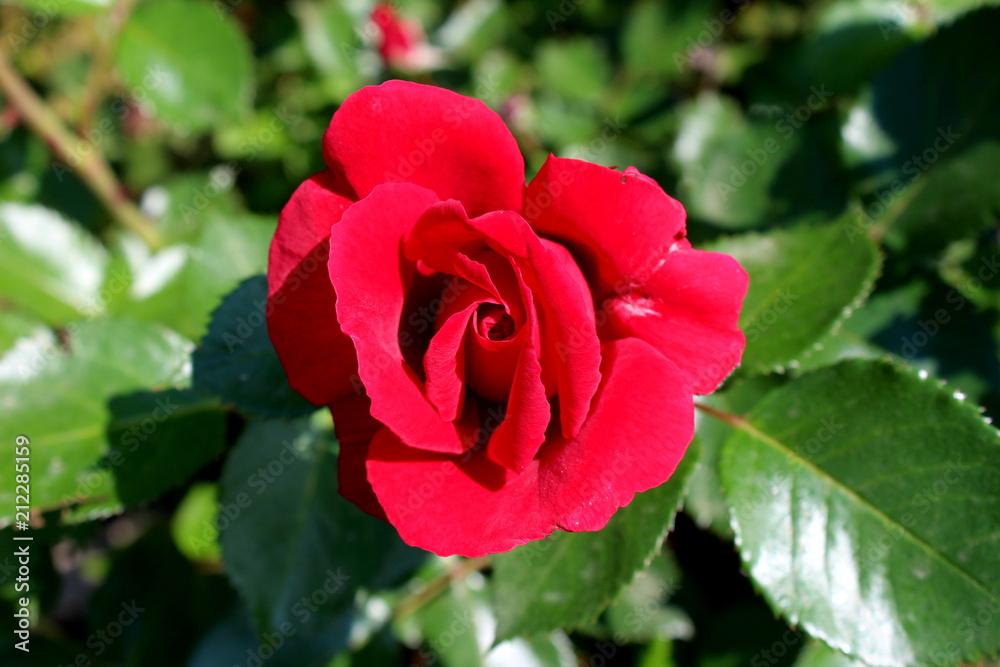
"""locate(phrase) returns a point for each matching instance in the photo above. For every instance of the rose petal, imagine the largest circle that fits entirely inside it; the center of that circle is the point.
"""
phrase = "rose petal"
(372, 280)
(444, 363)
(618, 226)
(446, 142)
(522, 431)
(302, 321)
(689, 311)
(546, 271)
(627, 235)
(637, 432)
(355, 428)
(465, 505)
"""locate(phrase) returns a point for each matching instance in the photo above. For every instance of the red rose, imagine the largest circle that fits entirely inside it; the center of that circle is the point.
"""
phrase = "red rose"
(500, 360)
(401, 42)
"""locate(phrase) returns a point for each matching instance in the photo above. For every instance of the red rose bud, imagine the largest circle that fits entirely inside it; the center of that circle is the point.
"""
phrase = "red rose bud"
(501, 360)
(401, 43)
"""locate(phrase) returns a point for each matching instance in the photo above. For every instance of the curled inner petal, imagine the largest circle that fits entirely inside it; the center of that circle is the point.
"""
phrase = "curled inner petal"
(494, 323)
(492, 353)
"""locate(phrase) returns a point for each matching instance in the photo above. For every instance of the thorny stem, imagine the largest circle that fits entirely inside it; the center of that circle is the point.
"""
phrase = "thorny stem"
(436, 587)
(75, 152)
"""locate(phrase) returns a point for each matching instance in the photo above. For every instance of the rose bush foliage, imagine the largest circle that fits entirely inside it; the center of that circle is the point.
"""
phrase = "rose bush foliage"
(500, 359)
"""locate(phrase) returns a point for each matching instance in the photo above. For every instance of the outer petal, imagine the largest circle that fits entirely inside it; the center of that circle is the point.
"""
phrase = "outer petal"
(629, 238)
(465, 505)
(355, 428)
(689, 311)
(640, 426)
(302, 320)
(372, 278)
(618, 226)
(446, 142)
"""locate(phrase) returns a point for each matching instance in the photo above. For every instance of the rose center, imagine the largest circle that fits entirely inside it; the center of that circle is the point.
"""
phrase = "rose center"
(493, 322)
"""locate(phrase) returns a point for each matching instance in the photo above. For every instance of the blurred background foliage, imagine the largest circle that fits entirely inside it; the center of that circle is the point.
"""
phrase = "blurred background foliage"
(855, 141)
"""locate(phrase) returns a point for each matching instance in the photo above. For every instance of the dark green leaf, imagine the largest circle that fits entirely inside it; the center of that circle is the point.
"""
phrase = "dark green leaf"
(295, 550)
(237, 362)
(567, 579)
(945, 167)
(865, 506)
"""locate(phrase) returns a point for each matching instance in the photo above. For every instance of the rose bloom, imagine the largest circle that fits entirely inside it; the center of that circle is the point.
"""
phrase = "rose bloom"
(501, 360)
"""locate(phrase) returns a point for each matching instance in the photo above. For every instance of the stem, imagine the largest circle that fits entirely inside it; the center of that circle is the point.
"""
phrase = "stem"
(436, 587)
(100, 65)
(76, 153)
(733, 420)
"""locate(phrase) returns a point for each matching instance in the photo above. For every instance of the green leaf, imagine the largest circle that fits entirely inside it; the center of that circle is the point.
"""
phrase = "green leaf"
(64, 7)
(14, 325)
(188, 62)
(772, 165)
(451, 624)
(57, 395)
(237, 362)
(193, 524)
(295, 550)
(158, 440)
(48, 265)
(640, 615)
(458, 627)
(567, 579)
(228, 249)
(575, 69)
(329, 38)
(818, 654)
(945, 165)
(660, 39)
(803, 281)
(865, 506)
